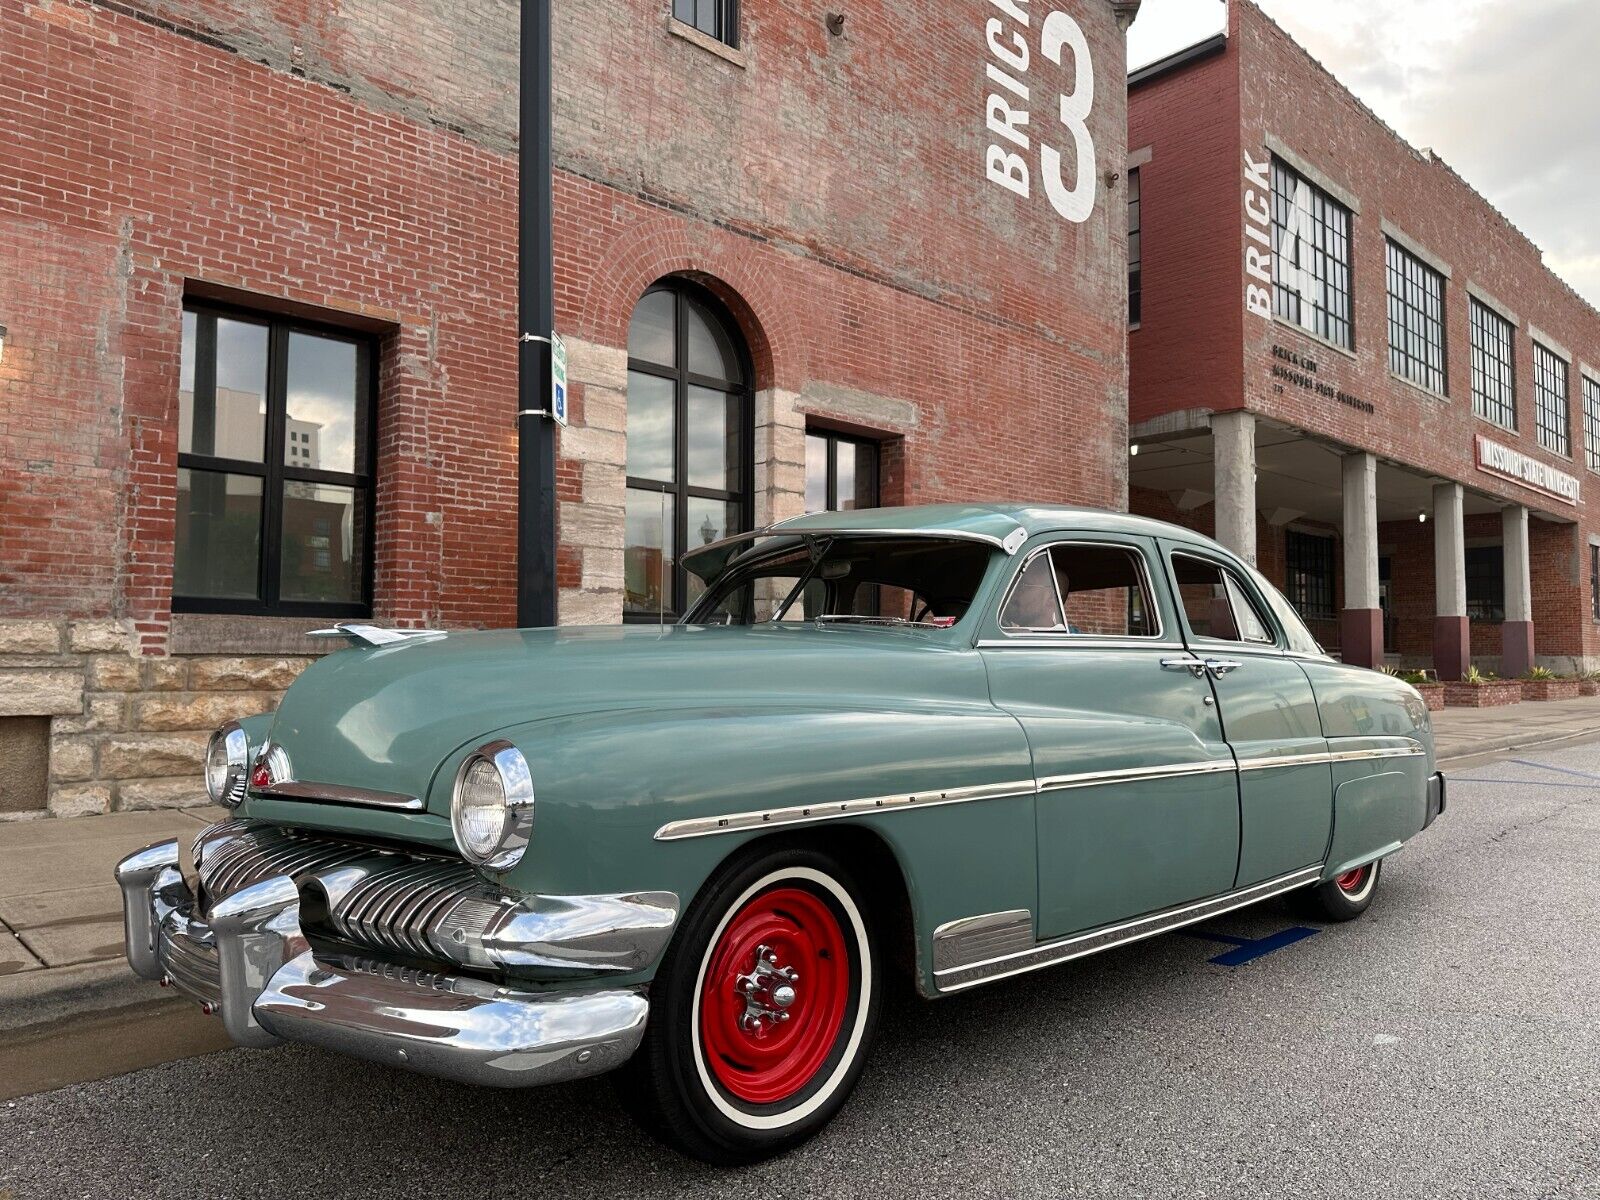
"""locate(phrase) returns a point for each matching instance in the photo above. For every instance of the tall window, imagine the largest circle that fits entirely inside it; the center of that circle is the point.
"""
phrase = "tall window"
(1310, 574)
(841, 473)
(689, 447)
(275, 449)
(1594, 582)
(1494, 386)
(1416, 320)
(1486, 583)
(1550, 418)
(1135, 250)
(715, 18)
(1311, 268)
(1591, 423)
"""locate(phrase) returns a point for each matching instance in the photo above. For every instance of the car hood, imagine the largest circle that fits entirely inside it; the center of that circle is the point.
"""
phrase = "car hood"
(385, 718)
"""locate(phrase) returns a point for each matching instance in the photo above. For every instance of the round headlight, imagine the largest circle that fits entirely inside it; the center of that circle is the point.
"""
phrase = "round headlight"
(491, 809)
(227, 765)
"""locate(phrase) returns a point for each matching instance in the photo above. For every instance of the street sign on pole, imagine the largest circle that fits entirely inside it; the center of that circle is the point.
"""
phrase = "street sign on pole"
(558, 379)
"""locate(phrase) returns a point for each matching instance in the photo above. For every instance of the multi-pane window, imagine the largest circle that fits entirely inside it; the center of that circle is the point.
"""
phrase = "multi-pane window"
(1311, 266)
(689, 447)
(275, 448)
(1309, 577)
(1486, 583)
(715, 18)
(1416, 320)
(841, 473)
(1594, 582)
(1550, 417)
(1494, 387)
(1591, 423)
(1135, 250)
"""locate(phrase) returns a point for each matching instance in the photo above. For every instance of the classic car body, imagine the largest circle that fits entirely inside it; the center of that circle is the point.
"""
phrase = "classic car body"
(1017, 795)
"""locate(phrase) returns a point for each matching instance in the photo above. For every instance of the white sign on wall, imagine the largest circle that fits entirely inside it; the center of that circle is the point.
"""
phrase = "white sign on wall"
(1020, 152)
(1528, 471)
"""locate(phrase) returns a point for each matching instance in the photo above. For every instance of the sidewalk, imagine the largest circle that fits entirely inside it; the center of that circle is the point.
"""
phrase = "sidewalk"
(61, 914)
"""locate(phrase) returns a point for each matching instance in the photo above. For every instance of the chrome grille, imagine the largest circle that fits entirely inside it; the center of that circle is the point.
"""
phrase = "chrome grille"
(190, 960)
(406, 909)
(239, 854)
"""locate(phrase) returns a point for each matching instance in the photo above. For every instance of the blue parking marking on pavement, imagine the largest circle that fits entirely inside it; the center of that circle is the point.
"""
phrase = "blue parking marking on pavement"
(1249, 949)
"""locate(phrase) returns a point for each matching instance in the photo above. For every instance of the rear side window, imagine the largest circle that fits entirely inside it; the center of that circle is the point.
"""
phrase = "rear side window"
(1215, 603)
(1089, 590)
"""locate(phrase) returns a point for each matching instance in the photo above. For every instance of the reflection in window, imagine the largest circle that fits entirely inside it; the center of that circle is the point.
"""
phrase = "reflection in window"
(689, 445)
(274, 483)
(841, 473)
(715, 18)
(1088, 590)
(1215, 604)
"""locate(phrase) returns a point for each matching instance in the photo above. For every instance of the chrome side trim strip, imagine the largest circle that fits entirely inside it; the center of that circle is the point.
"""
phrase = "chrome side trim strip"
(1047, 954)
(1273, 761)
(1099, 778)
(329, 793)
(978, 939)
(801, 814)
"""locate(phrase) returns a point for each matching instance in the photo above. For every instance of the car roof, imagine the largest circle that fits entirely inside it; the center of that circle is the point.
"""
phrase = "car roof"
(994, 522)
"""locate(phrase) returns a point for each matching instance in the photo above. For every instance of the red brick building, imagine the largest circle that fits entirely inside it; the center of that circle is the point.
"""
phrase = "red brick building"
(1352, 368)
(257, 276)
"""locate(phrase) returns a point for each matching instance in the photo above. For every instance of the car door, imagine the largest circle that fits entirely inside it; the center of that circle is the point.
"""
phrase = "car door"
(1269, 714)
(1138, 807)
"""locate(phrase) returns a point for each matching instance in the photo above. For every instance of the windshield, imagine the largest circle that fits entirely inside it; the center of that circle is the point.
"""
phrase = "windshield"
(863, 580)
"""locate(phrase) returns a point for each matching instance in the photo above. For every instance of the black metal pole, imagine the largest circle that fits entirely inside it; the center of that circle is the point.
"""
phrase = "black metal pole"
(536, 437)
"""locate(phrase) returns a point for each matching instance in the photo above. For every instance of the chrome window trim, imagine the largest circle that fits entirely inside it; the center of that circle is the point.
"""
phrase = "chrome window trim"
(1079, 945)
(1078, 642)
(778, 530)
(1058, 637)
(1280, 639)
(330, 793)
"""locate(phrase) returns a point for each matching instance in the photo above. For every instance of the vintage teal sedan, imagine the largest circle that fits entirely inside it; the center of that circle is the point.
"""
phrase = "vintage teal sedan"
(956, 743)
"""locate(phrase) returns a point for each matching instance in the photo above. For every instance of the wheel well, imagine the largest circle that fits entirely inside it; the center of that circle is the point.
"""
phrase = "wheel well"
(874, 866)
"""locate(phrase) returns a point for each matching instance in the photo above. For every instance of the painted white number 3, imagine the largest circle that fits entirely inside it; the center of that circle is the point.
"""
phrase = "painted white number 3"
(1077, 202)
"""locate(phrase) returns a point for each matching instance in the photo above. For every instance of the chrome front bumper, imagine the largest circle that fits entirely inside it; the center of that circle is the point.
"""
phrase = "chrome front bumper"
(249, 960)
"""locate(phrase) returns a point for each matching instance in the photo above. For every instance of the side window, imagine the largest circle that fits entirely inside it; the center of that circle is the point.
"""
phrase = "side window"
(1094, 591)
(1216, 604)
(1034, 603)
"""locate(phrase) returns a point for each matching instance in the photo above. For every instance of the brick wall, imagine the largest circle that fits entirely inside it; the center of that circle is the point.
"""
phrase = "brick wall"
(352, 162)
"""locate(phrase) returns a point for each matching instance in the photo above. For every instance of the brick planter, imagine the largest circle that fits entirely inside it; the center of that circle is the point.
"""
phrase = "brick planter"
(1589, 687)
(1433, 694)
(1482, 695)
(1551, 689)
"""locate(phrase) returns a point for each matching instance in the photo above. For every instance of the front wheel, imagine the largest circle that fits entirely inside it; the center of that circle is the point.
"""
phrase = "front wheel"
(761, 1013)
(1342, 898)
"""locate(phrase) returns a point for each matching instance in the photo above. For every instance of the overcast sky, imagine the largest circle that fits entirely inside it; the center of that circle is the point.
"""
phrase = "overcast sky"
(1507, 94)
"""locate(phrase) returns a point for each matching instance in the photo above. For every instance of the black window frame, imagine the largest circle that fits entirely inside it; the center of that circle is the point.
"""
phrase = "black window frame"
(1310, 574)
(1135, 248)
(1418, 349)
(1594, 582)
(273, 472)
(1485, 570)
(1494, 366)
(831, 489)
(1332, 259)
(1552, 407)
(722, 17)
(680, 489)
(1590, 389)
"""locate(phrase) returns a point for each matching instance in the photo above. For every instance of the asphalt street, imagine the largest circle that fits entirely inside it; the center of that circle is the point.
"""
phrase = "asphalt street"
(1447, 1044)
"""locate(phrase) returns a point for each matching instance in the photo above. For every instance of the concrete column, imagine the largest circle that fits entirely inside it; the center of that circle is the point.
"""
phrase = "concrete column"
(1361, 622)
(1233, 449)
(1516, 634)
(1452, 639)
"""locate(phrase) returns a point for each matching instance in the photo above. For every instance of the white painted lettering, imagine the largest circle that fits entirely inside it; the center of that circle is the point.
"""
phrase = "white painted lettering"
(1017, 58)
(1007, 122)
(1256, 172)
(1259, 265)
(1014, 9)
(1256, 206)
(1258, 300)
(996, 75)
(1077, 202)
(1257, 227)
(1008, 170)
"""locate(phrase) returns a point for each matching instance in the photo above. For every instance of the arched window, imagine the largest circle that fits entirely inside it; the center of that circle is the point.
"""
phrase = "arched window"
(689, 442)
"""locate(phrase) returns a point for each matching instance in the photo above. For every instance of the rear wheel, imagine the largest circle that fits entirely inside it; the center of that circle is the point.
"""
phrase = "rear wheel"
(761, 1013)
(1344, 897)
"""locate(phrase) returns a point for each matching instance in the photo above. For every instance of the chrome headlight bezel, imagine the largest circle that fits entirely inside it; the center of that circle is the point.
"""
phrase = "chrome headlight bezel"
(516, 822)
(234, 744)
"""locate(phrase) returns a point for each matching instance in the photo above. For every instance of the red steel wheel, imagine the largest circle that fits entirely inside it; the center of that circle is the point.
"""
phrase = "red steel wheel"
(776, 993)
(1354, 881)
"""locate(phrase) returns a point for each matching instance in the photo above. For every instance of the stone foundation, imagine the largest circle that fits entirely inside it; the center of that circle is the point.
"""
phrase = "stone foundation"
(125, 731)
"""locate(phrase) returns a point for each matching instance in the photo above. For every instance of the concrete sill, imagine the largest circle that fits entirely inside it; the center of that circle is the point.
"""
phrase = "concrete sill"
(707, 43)
(1418, 387)
(1315, 337)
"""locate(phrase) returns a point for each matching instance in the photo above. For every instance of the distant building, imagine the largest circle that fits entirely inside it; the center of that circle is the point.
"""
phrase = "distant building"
(1355, 371)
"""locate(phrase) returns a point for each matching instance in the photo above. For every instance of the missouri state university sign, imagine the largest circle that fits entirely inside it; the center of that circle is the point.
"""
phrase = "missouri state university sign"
(1530, 472)
(1036, 56)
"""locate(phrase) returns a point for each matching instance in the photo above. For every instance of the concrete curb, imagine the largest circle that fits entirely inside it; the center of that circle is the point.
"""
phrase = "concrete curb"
(1492, 749)
(33, 998)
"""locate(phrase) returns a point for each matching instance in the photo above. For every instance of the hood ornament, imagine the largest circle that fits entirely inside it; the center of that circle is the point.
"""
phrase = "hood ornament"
(374, 635)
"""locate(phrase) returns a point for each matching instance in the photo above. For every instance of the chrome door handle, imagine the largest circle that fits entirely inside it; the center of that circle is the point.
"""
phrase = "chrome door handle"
(1192, 665)
(1221, 666)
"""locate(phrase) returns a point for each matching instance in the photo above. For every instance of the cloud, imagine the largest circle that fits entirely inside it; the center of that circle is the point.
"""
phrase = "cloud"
(1506, 94)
